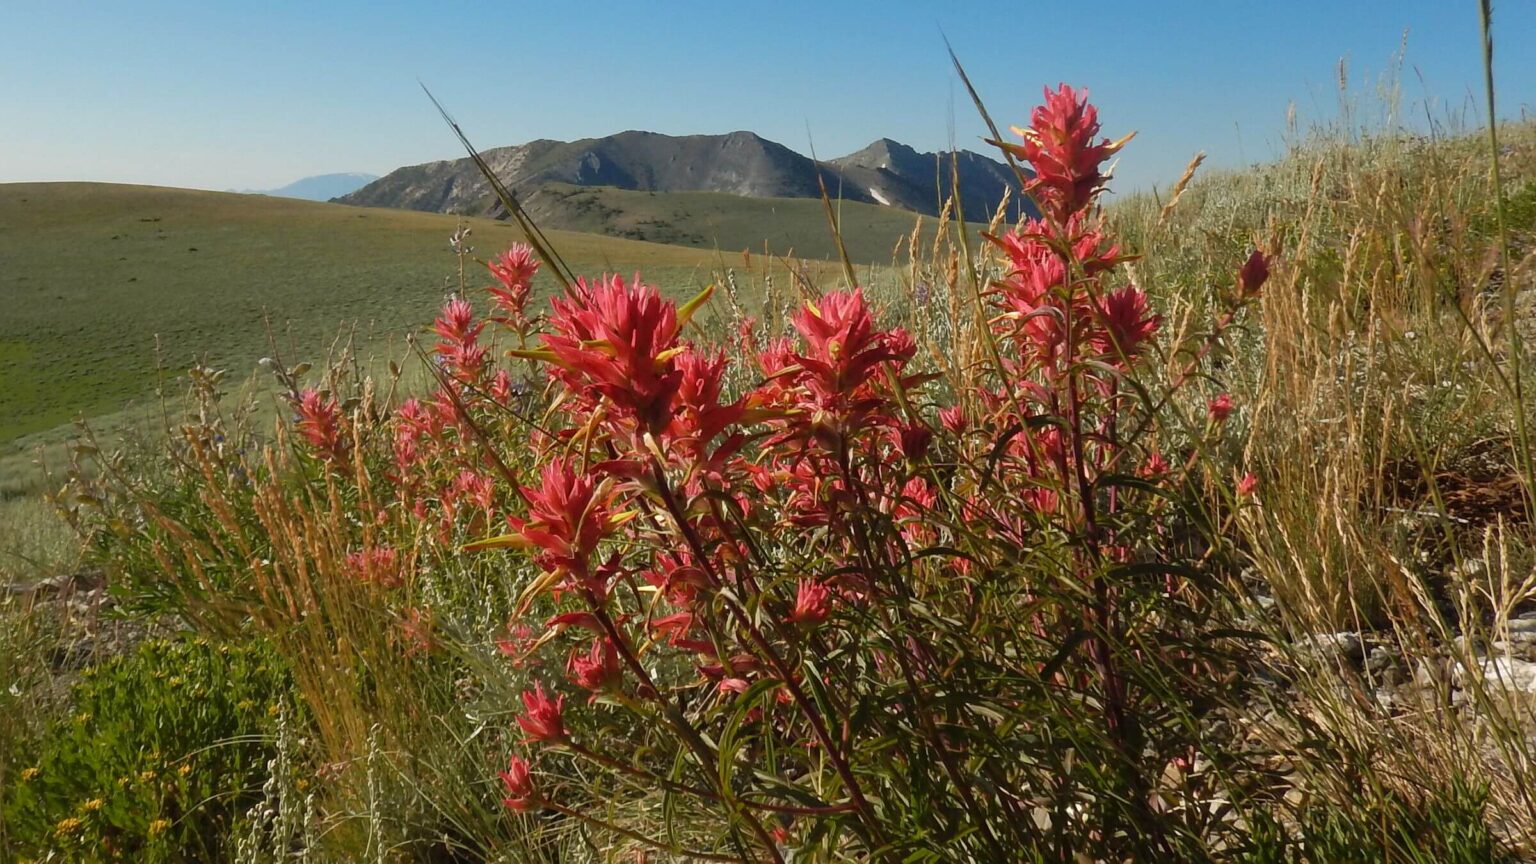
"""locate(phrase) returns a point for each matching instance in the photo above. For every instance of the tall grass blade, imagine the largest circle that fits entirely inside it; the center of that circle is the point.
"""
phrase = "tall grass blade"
(531, 231)
(1511, 325)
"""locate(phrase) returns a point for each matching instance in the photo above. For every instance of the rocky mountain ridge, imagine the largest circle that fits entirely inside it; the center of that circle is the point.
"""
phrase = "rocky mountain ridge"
(739, 163)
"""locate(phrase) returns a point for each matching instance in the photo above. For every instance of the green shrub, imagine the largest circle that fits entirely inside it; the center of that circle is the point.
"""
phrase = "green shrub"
(161, 757)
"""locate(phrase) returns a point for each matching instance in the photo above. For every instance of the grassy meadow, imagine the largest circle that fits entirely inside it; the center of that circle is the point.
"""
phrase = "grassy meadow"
(731, 223)
(100, 280)
(1356, 535)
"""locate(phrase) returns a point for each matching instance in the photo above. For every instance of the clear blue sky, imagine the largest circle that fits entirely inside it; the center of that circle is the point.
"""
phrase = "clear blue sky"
(255, 94)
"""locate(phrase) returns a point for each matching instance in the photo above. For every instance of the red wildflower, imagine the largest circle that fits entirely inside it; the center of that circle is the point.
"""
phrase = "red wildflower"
(478, 489)
(953, 419)
(514, 269)
(678, 628)
(501, 387)
(377, 564)
(585, 620)
(321, 425)
(459, 347)
(1219, 408)
(1253, 275)
(618, 342)
(1059, 145)
(914, 510)
(776, 361)
(843, 348)
(412, 424)
(568, 515)
(456, 323)
(731, 675)
(813, 602)
(445, 412)
(912, 441)
(701, 416)
(598, 669)
(1092, 251)
(1248, 485)
(521, 794)
(1154, 467)
(1030, 296)
(519, 641)
(543, 719)
(1126, 323)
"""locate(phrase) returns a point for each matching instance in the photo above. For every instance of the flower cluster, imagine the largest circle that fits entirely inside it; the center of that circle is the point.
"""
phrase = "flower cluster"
(794, 574)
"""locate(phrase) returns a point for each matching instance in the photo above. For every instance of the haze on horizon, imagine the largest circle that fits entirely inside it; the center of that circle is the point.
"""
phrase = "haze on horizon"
(220, 95)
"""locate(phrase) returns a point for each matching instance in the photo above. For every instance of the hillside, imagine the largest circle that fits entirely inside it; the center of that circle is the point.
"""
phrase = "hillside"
(100, 277)
(741, 163)
(731, 223)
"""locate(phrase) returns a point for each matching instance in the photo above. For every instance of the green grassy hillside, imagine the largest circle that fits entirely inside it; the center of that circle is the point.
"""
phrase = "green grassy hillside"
(96, 278)
(730, 223)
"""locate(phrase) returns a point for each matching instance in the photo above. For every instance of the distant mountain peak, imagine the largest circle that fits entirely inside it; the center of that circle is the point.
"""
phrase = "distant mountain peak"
(321, 187)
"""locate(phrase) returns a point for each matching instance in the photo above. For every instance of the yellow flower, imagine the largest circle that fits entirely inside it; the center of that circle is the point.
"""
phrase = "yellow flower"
(184, 770)
(158, 825)
(29, 773)
(66, 826)
(146, 776)
(91, 806)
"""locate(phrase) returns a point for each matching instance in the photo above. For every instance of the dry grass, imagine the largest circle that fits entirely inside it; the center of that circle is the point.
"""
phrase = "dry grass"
(1378, 411)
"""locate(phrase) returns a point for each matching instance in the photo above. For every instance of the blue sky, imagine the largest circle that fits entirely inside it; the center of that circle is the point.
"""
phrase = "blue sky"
(233, 95)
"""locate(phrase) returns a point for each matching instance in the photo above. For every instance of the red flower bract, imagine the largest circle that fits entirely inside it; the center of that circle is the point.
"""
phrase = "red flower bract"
(617, 341)
(1219, 408)
(320, 424)
(813, 602)
(543, 720)
(459, 335)
(701, 416)
(521, 794)
(1059, 145)
(596, 670)
(1253, 275)
(843, 348)
(1247, 485)
(376, 564)
(1126, 323)
(568, 515)
(514, 269)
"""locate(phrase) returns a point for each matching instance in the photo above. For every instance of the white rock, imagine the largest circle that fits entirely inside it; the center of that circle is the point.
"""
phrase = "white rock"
(1333, 646)
(1505, 673)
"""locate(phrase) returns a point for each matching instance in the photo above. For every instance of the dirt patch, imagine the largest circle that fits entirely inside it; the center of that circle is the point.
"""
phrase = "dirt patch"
(1477, 488)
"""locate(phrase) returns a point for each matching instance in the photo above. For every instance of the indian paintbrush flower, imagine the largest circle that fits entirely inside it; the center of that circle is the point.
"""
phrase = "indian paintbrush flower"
(518, 782)
(598, 669)
(321, 425)
(543, 718)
